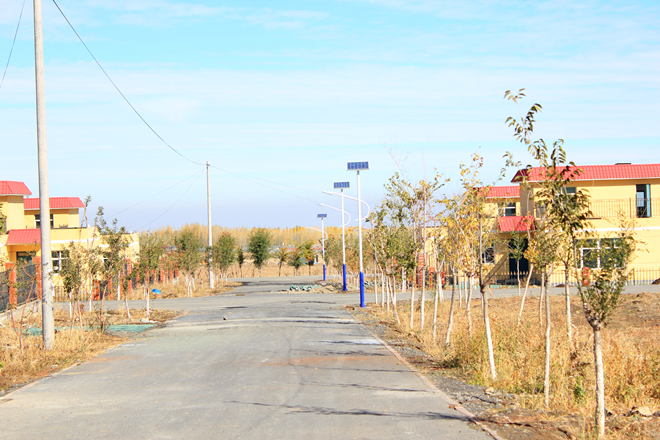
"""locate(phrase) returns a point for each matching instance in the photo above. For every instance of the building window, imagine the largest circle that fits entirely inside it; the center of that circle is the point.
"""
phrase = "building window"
(37, 221)
(570, 190)
(489, 255)
(643, 196)
(591, 255)
(24, 257)
(507, 209)
(58, 258)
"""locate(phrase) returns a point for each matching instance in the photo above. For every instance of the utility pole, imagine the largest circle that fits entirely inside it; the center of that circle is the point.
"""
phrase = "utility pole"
(208, 205)
(48, 322)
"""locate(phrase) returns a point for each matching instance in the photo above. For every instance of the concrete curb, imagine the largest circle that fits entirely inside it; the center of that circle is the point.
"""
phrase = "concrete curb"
(452, 403)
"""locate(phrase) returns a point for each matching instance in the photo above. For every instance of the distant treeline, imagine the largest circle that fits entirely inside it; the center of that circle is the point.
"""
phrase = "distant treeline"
(280, 236)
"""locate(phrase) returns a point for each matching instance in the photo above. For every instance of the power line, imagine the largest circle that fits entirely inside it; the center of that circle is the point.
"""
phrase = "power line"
(256, 179)
(120, 92)
(12, 44)
(156, 195)
(172, 206)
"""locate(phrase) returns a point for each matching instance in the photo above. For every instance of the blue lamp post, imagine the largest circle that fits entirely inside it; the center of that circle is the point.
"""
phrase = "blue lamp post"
(341, 186)
(358, 166)
(322, 217)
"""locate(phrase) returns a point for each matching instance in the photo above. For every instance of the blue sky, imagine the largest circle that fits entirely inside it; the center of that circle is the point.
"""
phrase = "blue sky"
(290, 91)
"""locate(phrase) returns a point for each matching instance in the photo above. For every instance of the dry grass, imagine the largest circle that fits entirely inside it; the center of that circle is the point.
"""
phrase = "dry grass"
(631, 347)
(178, 290)
(23, 360)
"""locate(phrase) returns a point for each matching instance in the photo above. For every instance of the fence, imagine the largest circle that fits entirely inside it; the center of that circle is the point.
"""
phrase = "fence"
(108, 290)
(637, 277)
(21, 289)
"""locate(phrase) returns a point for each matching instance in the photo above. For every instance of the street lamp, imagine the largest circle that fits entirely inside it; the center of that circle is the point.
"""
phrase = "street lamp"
(349, 218)
(357, 166)
(341, 186)
(322, 217)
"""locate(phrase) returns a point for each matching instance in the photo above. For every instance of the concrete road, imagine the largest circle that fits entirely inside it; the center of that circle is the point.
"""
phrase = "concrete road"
(250, 365)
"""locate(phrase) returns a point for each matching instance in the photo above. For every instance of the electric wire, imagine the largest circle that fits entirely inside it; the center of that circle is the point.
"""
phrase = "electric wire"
(156, 195)
(172, 206)
(242, 176)
(160, 137)
(120, 92)
(12, 45)
(246, 177)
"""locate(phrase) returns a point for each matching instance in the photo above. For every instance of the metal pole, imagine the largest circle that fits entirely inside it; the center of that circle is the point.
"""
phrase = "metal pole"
(343, 240)
(48, 322)
(360, 241)
(208, 207)
(323, 246)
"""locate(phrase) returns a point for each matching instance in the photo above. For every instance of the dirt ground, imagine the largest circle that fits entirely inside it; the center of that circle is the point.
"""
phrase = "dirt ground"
(501, 411)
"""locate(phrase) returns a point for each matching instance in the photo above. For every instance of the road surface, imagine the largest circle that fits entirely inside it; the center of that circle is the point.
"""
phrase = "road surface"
(248, 365)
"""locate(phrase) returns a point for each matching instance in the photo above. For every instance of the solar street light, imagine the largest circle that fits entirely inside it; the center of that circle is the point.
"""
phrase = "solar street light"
(340, 186)
(359, 166)
(322, 217)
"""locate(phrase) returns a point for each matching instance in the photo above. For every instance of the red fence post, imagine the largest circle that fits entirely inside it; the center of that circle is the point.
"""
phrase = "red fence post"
(12, 283)
(37, 273)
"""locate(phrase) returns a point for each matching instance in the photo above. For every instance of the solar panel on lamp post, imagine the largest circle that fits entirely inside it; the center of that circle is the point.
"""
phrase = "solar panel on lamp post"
(322, 217)
(341, 186)
(358, 166)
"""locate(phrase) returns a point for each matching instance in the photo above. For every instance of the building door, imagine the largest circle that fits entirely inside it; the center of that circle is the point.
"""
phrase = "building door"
(513, 265)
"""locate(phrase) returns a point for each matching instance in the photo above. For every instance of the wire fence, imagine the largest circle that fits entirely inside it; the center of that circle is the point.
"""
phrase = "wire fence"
(18, 286)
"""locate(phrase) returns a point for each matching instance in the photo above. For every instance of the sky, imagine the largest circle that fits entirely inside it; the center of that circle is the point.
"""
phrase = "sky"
(279, 96)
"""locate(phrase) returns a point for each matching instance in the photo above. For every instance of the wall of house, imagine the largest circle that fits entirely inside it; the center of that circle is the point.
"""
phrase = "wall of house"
(12, 209)
(28, 220)
(62, 218)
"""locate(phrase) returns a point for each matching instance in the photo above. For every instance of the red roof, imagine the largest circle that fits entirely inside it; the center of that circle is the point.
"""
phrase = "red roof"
(598, 172)
(516, 223)
(55, 203)
(503, 192)
(10, 188)
(24, 236)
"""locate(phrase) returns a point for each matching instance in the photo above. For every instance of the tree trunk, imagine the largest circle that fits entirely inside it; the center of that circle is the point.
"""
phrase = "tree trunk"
(412, 304)
(146, 297)
(386, 285)
(422, 299)
(468, 299)
(396, 313)
(489, 337)
(541, 301)
(451, 311)
(382, 288)
(548, 327)
(128, 310)
(600, 384)
(518, 274)
(460, 291)
(567, 293)
(435, 314)
(522, 304)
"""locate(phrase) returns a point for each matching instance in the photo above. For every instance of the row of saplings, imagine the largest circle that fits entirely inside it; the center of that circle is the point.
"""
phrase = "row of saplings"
(465, 228)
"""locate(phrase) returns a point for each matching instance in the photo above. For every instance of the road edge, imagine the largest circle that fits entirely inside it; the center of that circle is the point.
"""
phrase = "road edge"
(452, 403)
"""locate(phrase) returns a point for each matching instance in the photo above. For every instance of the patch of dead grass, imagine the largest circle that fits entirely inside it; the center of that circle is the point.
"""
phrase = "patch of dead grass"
(631, 349)
(23, 360)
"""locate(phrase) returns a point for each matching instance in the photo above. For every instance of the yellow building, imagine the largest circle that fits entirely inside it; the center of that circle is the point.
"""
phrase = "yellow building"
(20, 236)
(614, 190)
